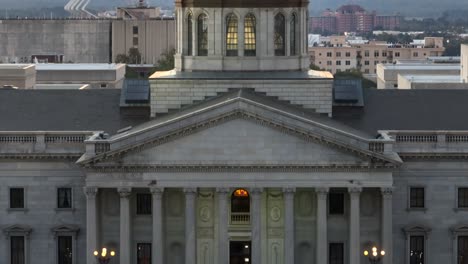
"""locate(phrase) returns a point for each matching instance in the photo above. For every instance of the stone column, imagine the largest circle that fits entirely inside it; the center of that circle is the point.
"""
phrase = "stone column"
(354, 226)
(256, 225)
(125, 237)
(91, 223)
(289, 242)
(223, 237)
(387, 224)
(322, 239)
(158, 239)
(190, 226)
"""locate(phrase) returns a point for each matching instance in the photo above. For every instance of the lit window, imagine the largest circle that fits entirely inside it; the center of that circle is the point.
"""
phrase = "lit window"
(202, 35)
(292, 35)
(189, 35)
(241, 193)
(231, 35)
(249, 35)
(416, 249)
(279, 35)
(240, 201)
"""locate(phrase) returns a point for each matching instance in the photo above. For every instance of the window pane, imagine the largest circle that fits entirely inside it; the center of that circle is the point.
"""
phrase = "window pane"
(336, 203)
(249, 35)
(279, 35)
(292, 35)
(144, 253)
(189, 35)
(144, 203)
(336, 253)
(240, 201)
(16, 198)
(64, 198)
(231, 35)
(462, 197)
(417, 197)
(462, 253)
(202, 35)
(65, 253)
(17, 249)
(416, 250)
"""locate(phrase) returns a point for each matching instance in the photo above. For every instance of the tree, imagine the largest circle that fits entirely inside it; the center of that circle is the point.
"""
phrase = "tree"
(166, 62)
(121, 58)
(134, 56)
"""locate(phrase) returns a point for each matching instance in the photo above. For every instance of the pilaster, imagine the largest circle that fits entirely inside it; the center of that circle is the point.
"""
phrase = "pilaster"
(158, 238)
(322, 239)
(125, 237)
(190, 226)
(91, 223)
(354, 225)
(288, 194)
(387, 242)
(256, 216)
(223, 236)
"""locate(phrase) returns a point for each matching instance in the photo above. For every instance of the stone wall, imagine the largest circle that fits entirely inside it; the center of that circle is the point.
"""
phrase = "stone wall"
(172, 94)
(464, 63)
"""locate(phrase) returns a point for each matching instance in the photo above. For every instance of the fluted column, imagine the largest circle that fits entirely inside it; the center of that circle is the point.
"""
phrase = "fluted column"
(322, 239)
(354, 226)
(157, 255)
(387, 237)
(256, 222)
(190, 226)
(91, 223)
(223, 237)
(289, 242)
(125, 237)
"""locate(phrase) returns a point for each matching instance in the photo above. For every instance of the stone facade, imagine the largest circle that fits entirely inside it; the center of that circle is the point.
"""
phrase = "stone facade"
(464, 63)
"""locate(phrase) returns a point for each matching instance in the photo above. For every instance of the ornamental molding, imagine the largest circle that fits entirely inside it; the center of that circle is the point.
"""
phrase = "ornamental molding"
(304, 134)
(41, 156)
(210, 168)
(433, 156)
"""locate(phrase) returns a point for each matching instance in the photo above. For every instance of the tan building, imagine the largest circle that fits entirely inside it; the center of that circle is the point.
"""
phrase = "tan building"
(464, 63)
(151, 37)
(339, 54)
(17, 75)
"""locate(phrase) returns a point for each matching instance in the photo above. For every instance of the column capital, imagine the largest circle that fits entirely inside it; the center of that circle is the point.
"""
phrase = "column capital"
(190, 190)
(386, 191)
(157, 190)
(256, 191)
(124, 192)
(223, 190)
(322, 190)
(90, 192)
(289, 190)
(354, 190)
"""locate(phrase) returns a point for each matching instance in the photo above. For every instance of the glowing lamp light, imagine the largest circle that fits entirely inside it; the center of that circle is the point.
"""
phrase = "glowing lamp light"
(241, 193)
(366, 253)
(95, 253)
(374, 249)
(112, 253)
(382, 253)
(374, 253)
(104, 252)
(247, 260)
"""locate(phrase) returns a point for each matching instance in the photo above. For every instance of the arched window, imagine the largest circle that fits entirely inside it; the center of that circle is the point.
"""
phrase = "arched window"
(189, 35)
(231, 35)
(292, 35)
(279, 35)
(240, 201)
(250, 40)
(202, 35)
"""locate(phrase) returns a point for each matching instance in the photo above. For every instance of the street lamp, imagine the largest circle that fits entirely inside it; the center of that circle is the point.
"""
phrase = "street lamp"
(103, 257)
(373, 255)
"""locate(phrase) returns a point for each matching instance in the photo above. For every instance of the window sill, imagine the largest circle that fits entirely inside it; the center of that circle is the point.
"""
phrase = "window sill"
(417, 209)
(24, 210)
(64, 209)
(462, 209)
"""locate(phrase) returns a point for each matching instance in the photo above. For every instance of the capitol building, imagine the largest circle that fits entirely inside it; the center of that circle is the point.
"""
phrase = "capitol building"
(241, 154)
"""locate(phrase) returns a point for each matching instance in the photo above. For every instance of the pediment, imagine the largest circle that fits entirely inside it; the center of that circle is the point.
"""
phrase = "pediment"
(17, 229)
(236, 132)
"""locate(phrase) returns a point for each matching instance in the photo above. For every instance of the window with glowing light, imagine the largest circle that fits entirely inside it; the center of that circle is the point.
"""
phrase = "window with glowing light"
(231, 35)
(279, 36)
(202, 35)
(250, 40)
(416, 250)
(65, 250)
(240, 201)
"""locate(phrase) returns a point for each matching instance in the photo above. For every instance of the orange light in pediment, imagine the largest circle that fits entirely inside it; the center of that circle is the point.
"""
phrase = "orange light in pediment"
(241, 193)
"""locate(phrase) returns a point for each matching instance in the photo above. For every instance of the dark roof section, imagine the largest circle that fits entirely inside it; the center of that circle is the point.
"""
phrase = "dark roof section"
(135, 91)
(66, 110)
(250, 94)
(407, 110)
(347, 92)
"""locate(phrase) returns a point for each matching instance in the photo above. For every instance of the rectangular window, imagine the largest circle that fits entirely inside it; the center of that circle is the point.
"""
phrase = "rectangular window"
(376, 53)
(329, 62)
(144, 253)
(384, 54)
(376, 62)
(415, 54)
(143, 203)
(329, 54)
(416, 253)
(338, 54)
(366, 53)
(416, 197)
(348, 63)
(65, 251)
(338, 62)
(16, 197)
(366, 62)
(135, 41)
(463, 197)
(348, 54)
(397, 54)
(64, 198)
(462, 254)
(135, 30)
(17, 250)
(336, 253)
(336, 203)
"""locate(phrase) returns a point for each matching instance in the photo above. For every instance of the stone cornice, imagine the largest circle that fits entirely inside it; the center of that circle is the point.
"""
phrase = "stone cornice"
(41, 156)
(241, 168)
(306, 135)
(433, 156)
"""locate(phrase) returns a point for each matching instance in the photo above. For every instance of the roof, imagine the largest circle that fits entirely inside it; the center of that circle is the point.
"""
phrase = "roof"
(12, 66)
(421, 66)
(426, 78)
(236, 75)
(77, 66)
(65, 110)
(407, 110)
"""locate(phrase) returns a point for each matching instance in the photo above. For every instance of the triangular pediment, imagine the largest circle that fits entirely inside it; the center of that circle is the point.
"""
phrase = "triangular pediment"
(237, 131)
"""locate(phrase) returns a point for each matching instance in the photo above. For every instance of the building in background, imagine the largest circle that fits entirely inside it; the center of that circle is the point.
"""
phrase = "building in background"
(21, 76)
(341, 53)
(352, 18)
(464, 63)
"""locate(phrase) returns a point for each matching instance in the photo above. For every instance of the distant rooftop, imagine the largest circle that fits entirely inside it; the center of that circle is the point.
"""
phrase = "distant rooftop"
(12, 66)
(422, 67)
(433, 78)
(257, 75)
(78, 66)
